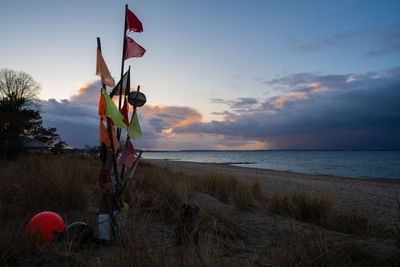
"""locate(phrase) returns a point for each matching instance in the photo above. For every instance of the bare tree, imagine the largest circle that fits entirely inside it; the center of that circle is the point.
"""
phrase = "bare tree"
(18, 86)
(19, 114)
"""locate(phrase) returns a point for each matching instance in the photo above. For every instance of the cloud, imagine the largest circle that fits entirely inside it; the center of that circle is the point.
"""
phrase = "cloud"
(76, 122)
(240, 105)
(362, 113)
(309, 110)
(89, 92)
(172, 115)
(383, 40)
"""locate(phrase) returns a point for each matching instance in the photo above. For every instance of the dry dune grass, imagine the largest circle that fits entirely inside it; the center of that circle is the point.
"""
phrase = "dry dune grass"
(67, 184)
(36, 183)
(39, 182)
(301, 206)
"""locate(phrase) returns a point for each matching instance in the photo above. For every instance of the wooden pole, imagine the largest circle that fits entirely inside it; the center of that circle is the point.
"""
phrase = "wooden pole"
(108, 197)
(122, 68)
(127, 136)
(109, 130)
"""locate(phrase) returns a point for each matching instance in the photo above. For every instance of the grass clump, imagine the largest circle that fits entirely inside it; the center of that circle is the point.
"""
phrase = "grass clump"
(46, 182)
(301, 206)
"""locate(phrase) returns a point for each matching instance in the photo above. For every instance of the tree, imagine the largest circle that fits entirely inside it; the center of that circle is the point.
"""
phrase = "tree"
(18, 116)
(18, 86)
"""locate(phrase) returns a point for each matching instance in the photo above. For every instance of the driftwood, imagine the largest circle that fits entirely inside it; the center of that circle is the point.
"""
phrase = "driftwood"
(188, 225)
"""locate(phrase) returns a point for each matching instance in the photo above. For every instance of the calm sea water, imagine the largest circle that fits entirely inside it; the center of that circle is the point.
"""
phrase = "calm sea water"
(361, 164)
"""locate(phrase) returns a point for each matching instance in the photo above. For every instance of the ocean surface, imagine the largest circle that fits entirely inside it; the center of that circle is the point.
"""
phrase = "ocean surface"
(346, 163)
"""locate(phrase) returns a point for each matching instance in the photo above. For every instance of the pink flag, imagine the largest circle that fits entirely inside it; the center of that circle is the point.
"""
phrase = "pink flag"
(132, 22)
(133, 49)
(128, 155)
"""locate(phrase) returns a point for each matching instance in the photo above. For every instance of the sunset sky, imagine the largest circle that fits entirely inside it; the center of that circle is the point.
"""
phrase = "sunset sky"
(219, 74)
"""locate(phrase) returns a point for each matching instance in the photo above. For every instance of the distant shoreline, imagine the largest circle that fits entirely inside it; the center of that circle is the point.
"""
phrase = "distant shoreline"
(268, 150)
(240, 165)
(283, 172)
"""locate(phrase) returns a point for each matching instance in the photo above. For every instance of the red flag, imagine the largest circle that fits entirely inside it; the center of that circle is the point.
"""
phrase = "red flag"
(133, 49)
(132, 22)
(128, 155)
(124, 112)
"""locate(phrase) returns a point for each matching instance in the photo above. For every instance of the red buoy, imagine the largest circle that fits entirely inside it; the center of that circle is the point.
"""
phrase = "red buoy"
(42, 226)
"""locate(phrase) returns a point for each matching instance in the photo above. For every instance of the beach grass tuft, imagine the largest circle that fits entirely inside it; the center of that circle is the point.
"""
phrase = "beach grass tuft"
(301, 206)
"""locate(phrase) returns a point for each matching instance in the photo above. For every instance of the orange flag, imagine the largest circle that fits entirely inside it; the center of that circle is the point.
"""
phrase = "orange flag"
(103, 137)
(102, 106)
(102, 70)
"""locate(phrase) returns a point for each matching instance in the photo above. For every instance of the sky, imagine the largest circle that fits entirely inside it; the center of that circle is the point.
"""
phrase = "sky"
(219, 74)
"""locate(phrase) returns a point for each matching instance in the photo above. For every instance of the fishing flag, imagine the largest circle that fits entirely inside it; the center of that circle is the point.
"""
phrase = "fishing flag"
(104, 138)
(124, 85)
(113, 112)
(132, 22)
(128, 155)
(134, 130)
(102, 106)
(124, 112)
(133, 49)
(102, 70)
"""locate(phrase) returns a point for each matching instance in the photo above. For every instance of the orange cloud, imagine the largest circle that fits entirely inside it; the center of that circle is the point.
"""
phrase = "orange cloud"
(88, 92)
(175, 116)
(251, 145)
(317, 87)
(350, 79)
(291, 97)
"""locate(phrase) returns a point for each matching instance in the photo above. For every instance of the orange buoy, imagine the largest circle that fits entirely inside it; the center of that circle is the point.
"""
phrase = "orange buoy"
(42, 227)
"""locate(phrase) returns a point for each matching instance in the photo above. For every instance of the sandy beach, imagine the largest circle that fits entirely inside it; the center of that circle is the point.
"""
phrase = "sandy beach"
(373, 198)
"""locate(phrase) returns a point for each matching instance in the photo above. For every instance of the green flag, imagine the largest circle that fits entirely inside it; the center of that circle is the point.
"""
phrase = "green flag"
(134, 130)
(113, 112)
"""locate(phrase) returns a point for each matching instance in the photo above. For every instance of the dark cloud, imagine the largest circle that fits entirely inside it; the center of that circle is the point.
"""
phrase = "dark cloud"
(76, 122)
(350, 111)
(240, 105)
(383, 40)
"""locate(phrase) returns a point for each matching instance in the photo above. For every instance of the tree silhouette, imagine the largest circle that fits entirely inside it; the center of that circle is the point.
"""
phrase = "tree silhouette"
(18, 115)
(18, 86)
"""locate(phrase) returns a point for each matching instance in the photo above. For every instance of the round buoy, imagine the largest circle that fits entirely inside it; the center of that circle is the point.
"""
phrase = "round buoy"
(44, 226)
(79, 231)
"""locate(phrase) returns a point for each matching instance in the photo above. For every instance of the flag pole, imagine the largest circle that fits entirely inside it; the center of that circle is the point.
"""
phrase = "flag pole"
(109, 130)
(122, 68)
(127, 136)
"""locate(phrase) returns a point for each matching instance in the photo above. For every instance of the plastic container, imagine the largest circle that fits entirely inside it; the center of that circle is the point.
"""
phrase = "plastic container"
(104, 226)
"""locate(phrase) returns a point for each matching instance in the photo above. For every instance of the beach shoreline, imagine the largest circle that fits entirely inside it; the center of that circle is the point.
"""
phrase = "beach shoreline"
(373, 198)
(215, 165)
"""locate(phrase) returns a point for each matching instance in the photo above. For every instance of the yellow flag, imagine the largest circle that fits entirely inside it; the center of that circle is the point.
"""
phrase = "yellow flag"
(113, 112)
(134, 130)
(102, 70)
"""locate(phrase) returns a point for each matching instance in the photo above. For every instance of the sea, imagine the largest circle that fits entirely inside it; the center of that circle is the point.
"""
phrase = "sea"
(345, 163)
